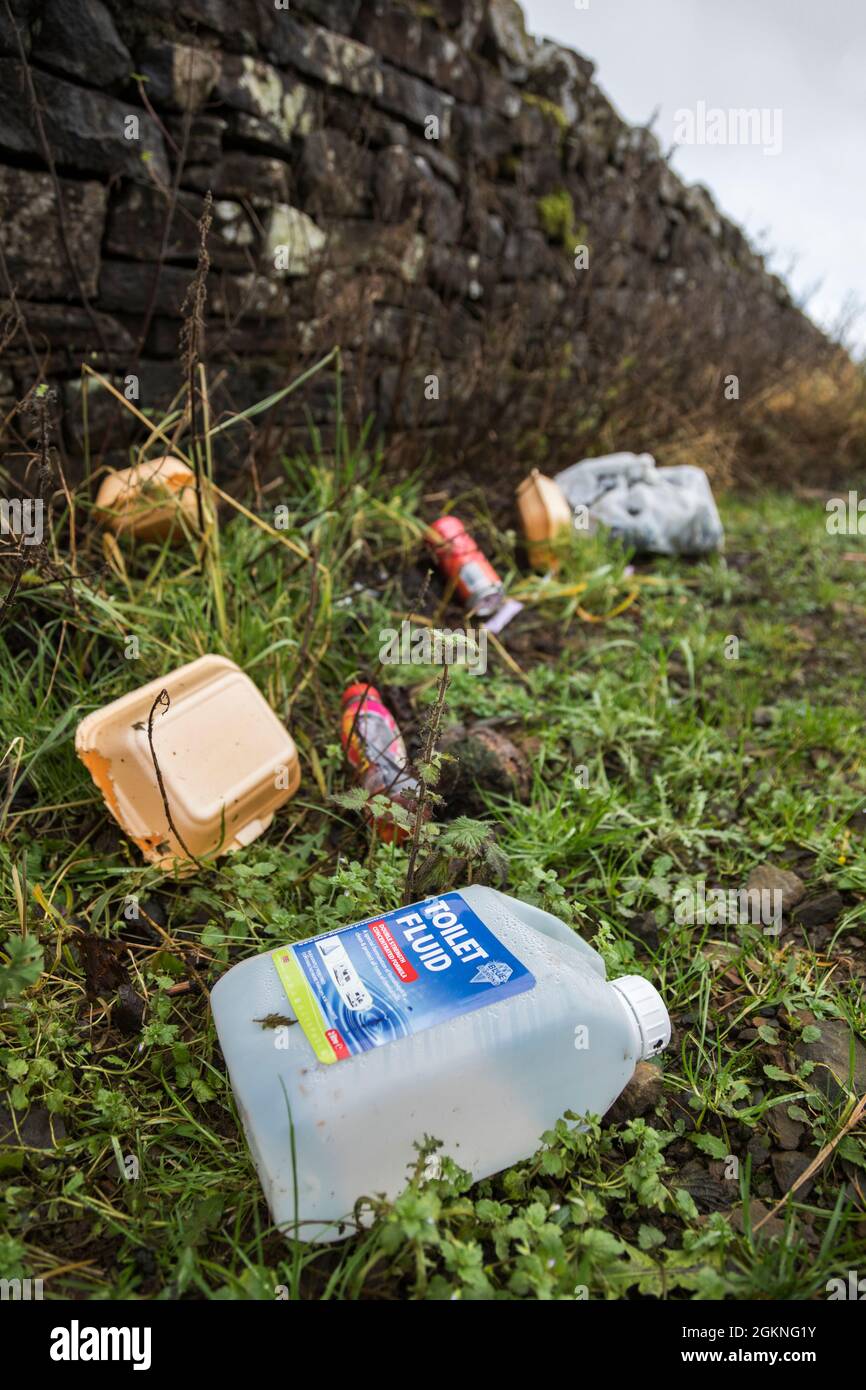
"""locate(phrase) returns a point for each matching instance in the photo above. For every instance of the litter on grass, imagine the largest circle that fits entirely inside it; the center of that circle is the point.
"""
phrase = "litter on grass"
(193, 764)
(475, 580)
(400, 1003)
(664, 511)
(375, 749)
(544, 515)
(150, 501)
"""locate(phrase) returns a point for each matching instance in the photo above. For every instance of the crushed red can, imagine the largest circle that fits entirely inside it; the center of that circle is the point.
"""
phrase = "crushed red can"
(376, 752)
(459, 558)
(475, 580)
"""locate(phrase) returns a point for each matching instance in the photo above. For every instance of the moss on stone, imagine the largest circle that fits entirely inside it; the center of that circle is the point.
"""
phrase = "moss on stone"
(556, 211)
(548, 108)
(419, 9)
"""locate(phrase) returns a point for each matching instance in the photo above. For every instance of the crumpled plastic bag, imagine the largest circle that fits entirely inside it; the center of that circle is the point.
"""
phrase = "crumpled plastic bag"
(669, 511)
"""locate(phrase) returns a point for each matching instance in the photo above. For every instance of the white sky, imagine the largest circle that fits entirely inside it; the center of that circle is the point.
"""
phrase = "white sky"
(806, 58)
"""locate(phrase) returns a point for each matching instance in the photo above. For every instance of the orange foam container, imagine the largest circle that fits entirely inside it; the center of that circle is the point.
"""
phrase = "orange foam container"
(544, 514)
(146, 501)
(226, 761)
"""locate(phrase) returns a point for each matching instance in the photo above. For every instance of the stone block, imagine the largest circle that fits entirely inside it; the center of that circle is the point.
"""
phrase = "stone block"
(87, 130)
(284, 106)
(81, 40)
(179, 75)
(35, 258)
(136, 228)
(411, 42)
(336, 175)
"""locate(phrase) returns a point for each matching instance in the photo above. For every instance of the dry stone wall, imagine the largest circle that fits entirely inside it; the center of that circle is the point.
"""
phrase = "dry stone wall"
(413, 181)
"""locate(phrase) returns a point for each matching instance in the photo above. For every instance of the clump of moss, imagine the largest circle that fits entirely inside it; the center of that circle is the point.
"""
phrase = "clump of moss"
(548, 108)
(556, 211)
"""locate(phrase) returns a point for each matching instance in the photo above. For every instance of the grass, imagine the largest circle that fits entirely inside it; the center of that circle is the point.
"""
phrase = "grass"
(661, 754)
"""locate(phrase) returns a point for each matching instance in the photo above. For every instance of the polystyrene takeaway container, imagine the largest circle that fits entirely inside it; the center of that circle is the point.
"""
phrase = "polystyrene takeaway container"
(226, 760)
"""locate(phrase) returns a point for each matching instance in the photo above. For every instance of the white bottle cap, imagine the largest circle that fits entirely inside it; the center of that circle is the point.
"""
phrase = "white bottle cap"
(648, 1010)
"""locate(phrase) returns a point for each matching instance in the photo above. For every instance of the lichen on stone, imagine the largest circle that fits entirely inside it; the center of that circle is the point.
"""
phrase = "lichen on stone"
(293, 241)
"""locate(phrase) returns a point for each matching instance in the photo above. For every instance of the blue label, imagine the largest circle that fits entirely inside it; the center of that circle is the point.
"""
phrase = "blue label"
(391, 976)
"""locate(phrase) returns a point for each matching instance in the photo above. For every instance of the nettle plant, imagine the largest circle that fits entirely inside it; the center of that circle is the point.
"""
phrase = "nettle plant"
(538, 1230)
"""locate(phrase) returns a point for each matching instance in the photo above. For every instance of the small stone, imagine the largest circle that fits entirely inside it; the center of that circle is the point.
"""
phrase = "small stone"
(256, 178)
(373, 246)
(137, 220)
(480, 759)
(759, 1148)
(831, 1054)
(645, 925)
(787, 1168)
(466, 18)
(74, 327)
(36, 1128)
(770, 878)
(757, 1211)
(788, 1132)
(816, 911)
(764, 717)
(642, 1094)
(708, 1192)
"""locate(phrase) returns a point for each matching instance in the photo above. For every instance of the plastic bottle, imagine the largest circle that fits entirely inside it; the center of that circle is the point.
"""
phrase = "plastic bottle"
(375, 749)
(473, 1018)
